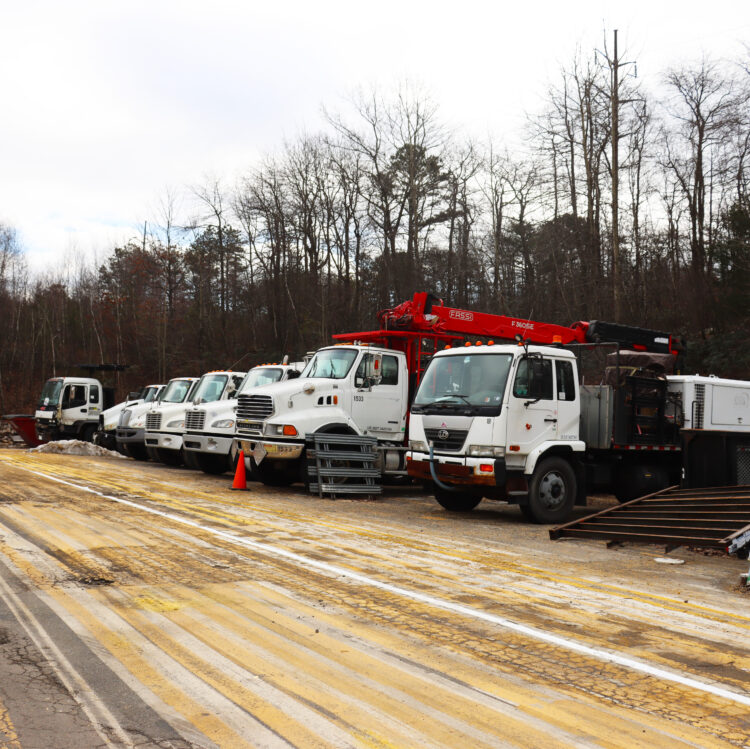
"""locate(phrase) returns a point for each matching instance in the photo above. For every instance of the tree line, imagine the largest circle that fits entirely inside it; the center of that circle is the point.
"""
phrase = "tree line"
(627, 205)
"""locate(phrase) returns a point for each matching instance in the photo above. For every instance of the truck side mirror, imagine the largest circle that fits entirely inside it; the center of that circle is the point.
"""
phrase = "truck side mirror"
(374, 368)
(293, 374)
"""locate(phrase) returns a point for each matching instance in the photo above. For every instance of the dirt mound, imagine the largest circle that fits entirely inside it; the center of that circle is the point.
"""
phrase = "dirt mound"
(76, 447)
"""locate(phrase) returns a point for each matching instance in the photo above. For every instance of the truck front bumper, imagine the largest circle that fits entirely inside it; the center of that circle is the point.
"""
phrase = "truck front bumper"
(459, 470)
(213, 444)
(125, 435)
(164, 440)
(260, 449)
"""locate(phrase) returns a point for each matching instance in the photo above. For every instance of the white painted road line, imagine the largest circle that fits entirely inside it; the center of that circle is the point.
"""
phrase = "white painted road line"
(523, 629)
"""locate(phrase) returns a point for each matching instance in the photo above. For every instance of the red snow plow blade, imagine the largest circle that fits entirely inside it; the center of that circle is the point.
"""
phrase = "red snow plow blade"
(25, 427)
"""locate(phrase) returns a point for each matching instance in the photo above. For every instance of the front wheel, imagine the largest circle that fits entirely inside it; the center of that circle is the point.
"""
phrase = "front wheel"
(275, 473)
(552, 491)
(457, 501)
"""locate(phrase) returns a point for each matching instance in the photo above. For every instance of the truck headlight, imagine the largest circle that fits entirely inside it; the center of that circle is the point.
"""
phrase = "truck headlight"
(418, 446)
(223, 424)
(176, 424)
(278, 430)
(485, 451)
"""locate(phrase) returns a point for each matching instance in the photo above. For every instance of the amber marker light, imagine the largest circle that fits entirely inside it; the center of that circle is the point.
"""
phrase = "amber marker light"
(515, 448)
(289, 431)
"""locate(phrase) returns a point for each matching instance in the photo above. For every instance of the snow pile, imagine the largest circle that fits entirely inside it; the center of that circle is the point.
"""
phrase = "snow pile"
(75, 447)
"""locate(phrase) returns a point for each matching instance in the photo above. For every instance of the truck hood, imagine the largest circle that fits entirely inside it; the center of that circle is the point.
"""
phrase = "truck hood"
(281, 392)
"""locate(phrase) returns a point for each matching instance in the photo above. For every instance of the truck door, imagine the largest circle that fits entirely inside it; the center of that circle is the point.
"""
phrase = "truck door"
(532, 407)
(568, 406)
(74, 403)
(380, 409)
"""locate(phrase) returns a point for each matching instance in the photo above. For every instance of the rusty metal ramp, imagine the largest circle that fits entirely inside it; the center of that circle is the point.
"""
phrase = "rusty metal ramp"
(715, 517)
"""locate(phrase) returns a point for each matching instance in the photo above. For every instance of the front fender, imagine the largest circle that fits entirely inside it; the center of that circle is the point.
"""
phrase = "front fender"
(310, 420)
(577, 446)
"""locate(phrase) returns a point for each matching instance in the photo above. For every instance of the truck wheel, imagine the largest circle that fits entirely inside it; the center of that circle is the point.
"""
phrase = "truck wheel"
(87, 433)
(190, 459)
(212, 464)
(153, 454)
(552, 491)
(169, 457)
(137, 451)
(274, 475)
(457, 501)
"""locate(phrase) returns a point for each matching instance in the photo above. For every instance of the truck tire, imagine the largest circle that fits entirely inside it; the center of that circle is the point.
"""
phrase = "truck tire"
(274, 475)
(169, 457)
(212, 464)
(552, 491)
(87, 433)
(136, 450)
(153, 454)
(190, 459)
(457, 501)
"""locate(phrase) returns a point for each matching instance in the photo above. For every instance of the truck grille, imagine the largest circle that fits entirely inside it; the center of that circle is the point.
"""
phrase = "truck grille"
(194, 420)
(153, 422)
(254, 407)
(454, 440)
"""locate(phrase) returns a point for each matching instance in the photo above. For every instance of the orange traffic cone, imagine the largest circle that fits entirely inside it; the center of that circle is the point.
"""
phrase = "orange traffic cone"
(240, 481)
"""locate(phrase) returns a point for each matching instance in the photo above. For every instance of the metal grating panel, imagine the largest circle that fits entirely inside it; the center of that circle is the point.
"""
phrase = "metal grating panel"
(450, 440)
(195, 419)
(153, 422)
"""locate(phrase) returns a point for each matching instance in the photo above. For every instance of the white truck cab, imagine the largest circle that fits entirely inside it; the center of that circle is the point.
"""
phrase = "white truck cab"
(131, 427)
(494, 420)
(109, 419)
(210, 429)
(345, 388)
(69, 408)
(165, 421)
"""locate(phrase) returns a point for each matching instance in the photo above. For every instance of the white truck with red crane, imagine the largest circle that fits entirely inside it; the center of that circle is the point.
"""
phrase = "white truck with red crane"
(530, 434)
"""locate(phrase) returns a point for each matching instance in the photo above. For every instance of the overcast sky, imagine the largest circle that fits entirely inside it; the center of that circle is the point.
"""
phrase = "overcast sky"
(105, 104)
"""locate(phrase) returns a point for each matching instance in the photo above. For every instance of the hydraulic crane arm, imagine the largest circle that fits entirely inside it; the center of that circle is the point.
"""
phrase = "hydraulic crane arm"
(427, 313)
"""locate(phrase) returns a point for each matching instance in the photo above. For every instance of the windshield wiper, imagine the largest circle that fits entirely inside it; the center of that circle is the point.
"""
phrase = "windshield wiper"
(444, 399)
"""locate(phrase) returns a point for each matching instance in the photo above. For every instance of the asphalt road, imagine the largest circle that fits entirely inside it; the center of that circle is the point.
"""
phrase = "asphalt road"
(147, 606)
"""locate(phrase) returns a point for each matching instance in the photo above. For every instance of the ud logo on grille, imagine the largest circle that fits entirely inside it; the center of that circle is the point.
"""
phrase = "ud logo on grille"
(443, 434)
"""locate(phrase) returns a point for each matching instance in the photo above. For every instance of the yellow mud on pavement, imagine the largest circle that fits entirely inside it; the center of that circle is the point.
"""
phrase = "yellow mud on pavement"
(184, 614)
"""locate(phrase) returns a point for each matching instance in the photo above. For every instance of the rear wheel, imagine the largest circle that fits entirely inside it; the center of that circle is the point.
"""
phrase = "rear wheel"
(87, 433)
(461, 501)
(633, 481)
(552, 491)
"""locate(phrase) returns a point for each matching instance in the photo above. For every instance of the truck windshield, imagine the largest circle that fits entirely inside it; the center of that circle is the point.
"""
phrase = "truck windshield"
(261, 376)
(150, 394)
(51, 393)
(176, 391)
(331, 363)
(469, 380)
(210, 388)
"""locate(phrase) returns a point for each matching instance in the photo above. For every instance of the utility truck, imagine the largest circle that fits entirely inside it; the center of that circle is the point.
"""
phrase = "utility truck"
(165, 421)
(364, 384)
(514, 423)
(210, 429)
(69, 407)
(105, 435)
